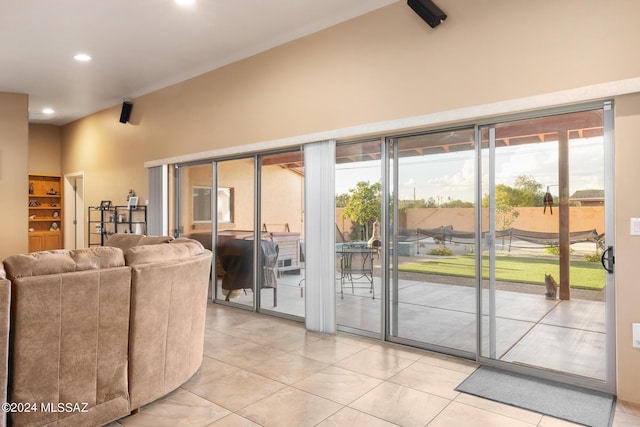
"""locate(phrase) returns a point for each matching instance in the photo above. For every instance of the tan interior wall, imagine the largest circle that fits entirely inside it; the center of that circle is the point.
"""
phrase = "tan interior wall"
(14, 153)
(111, 156)
(386, 65)
(44, 149)
(627, 130)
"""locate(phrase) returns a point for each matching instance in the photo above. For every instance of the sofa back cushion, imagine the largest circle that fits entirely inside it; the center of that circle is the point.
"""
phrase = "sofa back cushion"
(179, 249)
(126, 241)
(62, 261)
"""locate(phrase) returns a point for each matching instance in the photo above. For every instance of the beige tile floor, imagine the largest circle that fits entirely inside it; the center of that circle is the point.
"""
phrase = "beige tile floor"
(263, 371)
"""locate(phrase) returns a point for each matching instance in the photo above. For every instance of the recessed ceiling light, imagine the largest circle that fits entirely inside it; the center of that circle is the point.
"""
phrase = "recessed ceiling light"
(185, 2)
(47, 110)
(82, 57)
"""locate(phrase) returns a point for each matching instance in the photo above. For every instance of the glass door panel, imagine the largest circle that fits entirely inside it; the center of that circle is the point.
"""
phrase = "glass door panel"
(543, 292)
(358, 237)
(235, 231)
(282, 231)
(433, 290)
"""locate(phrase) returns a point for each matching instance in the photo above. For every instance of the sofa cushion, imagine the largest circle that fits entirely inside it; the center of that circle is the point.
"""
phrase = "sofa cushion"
(126, 241)
(176, 250)
(62, 261)
(39, 263)
(97, 258)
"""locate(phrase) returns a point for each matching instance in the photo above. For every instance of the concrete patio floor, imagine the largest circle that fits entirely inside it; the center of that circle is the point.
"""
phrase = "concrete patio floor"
(565, 336)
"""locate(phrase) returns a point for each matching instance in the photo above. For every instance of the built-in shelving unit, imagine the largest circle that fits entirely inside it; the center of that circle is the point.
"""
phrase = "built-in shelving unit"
(45, 213)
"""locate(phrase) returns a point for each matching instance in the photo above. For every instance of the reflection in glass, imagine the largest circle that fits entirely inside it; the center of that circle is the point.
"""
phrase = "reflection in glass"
(235, 237)
(358, 239)
(282, 231)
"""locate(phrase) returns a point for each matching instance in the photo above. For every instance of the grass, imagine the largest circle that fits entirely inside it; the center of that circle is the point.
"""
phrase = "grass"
(584, 275)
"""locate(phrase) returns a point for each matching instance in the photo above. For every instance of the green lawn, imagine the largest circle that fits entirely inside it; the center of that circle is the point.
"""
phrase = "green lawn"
(584, 275)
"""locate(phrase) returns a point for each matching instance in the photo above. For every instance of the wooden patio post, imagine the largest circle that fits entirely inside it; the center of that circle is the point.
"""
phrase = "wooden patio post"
(563, 212)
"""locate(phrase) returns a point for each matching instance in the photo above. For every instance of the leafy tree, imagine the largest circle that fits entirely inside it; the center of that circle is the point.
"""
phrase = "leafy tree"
(431, 203)
(525, 192)
(457, 204)
(363, 205)
(342, 200)
(531, 191)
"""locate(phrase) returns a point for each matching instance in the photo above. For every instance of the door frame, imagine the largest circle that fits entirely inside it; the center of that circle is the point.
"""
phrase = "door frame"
(609, 384)
(74, 216)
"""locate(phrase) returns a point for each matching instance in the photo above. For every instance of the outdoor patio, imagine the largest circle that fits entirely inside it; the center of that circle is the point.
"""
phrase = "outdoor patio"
(566, 336)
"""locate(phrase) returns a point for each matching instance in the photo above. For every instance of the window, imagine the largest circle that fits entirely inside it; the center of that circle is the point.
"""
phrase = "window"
(225, 205)
(202, 204)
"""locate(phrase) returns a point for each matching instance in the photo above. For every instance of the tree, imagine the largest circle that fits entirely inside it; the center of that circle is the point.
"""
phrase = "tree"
(531, 191)
(342, 200)
(525, 192)
(457, 204)
(363, 205)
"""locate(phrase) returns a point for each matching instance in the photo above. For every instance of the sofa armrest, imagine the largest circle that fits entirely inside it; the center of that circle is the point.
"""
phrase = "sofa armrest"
(5, 301)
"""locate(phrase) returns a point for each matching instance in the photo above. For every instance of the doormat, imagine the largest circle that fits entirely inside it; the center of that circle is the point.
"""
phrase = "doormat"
(570, 403)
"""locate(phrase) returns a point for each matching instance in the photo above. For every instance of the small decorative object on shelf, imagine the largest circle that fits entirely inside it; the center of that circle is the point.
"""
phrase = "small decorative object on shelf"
(105, 205)
(52, 192)
(31, 188)
(133, 202)
(131, 194)
(54, 227)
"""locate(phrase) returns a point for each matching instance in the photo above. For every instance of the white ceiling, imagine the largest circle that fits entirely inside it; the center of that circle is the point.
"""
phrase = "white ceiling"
(139, 46)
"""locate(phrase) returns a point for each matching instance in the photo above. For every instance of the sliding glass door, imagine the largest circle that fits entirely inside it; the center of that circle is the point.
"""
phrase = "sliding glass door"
(432, 293)
(282, 232)
(235, 231)
(546, 300)
(358, 237)
(497, 236)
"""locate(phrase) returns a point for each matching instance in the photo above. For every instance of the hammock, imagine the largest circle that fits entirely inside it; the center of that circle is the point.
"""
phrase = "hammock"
(448, 234)
(553, 239)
